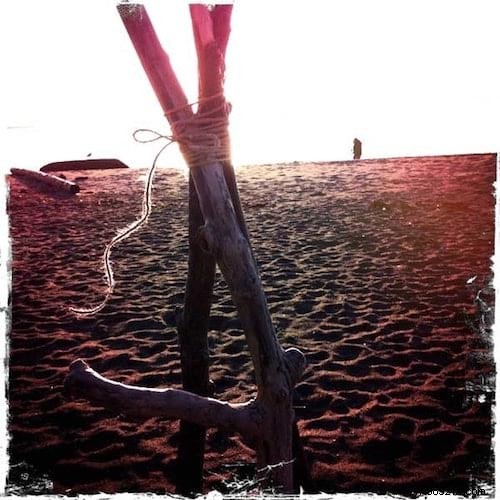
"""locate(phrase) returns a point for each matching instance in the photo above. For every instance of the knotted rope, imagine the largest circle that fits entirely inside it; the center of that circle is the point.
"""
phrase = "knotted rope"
(203, 139)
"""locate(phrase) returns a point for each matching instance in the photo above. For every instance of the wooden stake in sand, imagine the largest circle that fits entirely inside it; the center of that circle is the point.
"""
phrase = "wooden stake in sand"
(218, 235)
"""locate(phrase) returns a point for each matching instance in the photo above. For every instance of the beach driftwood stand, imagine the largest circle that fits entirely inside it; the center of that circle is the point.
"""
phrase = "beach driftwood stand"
(217, 236)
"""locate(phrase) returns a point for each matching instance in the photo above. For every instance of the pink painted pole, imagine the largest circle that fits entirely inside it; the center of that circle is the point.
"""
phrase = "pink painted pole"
(155, 62)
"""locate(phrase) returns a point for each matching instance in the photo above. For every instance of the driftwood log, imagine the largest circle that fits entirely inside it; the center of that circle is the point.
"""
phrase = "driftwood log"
(48, 180)
(218, 235)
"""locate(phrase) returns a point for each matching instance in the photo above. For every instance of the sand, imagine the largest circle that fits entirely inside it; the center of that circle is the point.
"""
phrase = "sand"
(372, 268)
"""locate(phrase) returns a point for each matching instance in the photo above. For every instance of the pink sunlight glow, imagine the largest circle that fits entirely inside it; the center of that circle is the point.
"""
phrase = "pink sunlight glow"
(304, 81)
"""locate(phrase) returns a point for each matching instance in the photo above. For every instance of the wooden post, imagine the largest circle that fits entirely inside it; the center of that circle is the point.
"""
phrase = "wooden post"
(211, 31)
(193, 323)
(193, 328)
(276, 372)
(193, 342)
(268, 420)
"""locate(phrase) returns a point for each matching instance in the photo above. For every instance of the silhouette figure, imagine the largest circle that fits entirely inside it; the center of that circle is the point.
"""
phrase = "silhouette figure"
(356, 149)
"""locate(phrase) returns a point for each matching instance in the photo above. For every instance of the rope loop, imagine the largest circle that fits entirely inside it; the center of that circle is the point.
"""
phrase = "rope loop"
(203, 139)
(156, 136)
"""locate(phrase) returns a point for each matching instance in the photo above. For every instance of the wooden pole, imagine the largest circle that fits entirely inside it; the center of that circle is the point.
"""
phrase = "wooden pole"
(213, 26)
(155, 61)
(274, 383)
(193, 341)
(193, 324)
(211, 31)
(223, 238)
(276, 372)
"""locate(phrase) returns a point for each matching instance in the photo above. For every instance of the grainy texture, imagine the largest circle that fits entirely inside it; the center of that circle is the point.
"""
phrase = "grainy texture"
(366, 268)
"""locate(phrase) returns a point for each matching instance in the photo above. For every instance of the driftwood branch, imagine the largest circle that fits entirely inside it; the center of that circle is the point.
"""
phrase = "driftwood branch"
(234, 257)
(193, 326)
(211, 29)
(276, 372)
(193, 343)
(83, 382)
(46, 179)
(155, 62)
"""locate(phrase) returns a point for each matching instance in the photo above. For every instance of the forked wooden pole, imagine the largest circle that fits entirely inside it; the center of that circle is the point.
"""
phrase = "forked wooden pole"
(193, 324)
(268, 420)
(193, 328)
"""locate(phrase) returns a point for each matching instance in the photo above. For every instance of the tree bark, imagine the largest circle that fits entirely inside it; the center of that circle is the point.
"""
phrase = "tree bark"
(276, 373)
(83, 382)
(49, 180)
(193, 326)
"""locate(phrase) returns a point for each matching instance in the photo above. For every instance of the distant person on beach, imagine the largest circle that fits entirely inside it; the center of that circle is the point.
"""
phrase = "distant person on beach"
(356, 149)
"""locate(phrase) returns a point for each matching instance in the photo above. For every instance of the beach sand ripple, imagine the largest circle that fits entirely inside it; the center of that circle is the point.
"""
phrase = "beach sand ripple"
(371, 268)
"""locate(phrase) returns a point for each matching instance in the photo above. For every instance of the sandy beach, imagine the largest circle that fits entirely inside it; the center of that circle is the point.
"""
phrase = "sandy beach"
(378, 270)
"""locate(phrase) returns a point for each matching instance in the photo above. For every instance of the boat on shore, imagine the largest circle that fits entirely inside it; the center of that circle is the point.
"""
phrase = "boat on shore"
(93, 164)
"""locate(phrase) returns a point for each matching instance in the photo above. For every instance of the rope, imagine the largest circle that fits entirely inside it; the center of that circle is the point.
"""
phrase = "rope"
(125, 233)
(203, 138)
